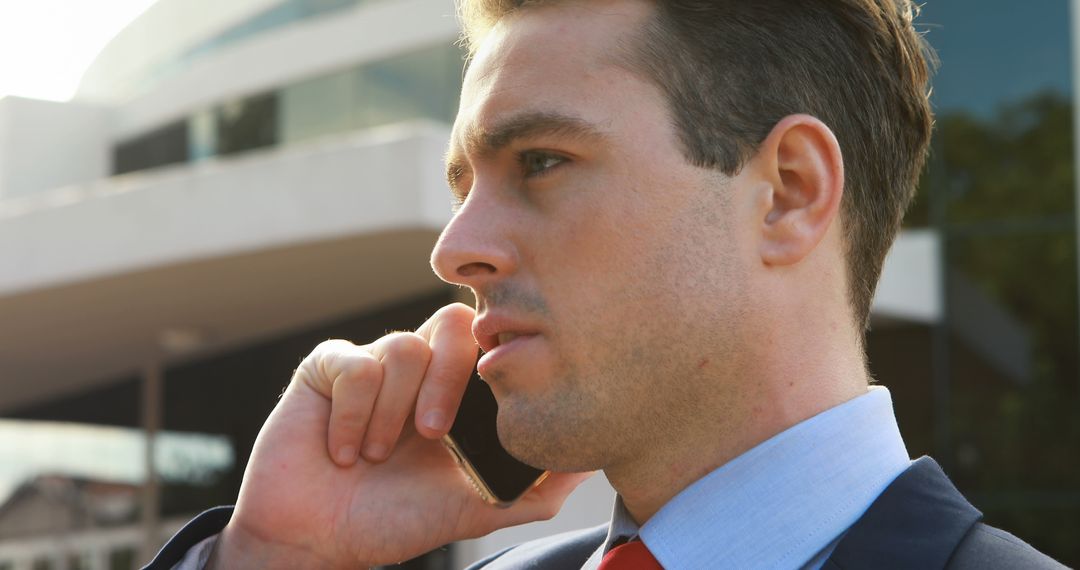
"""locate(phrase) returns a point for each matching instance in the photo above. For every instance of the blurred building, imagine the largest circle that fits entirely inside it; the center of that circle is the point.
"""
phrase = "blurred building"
(66, 522)
(235, 182)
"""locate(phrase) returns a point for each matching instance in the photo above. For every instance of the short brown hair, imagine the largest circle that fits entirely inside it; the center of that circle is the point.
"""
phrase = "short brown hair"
(732, 69)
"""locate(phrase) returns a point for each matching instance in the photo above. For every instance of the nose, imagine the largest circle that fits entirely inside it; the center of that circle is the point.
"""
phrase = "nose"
(475, 248)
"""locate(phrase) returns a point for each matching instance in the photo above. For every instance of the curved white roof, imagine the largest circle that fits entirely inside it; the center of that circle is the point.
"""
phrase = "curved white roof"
(164, 31)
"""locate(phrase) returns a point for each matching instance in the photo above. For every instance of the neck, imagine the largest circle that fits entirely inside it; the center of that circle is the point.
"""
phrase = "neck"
(776, 395)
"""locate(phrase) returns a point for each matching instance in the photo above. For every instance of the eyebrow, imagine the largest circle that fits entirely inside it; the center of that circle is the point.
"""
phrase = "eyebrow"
(488, 141)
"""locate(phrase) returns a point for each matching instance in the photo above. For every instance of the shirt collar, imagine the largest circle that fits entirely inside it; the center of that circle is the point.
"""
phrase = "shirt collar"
(784, 501)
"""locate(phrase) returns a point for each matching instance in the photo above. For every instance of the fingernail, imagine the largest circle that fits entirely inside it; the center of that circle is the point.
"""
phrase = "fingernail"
(375, 451)
(435, 420)
(346, 455)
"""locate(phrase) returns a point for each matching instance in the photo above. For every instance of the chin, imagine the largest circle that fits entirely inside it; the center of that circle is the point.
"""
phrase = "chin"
(548, 440)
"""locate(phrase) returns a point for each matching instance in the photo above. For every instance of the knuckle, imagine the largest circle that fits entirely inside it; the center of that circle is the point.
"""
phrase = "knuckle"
(323, 352)
(360, 367)
(456, 314)
(329, 346)
(313, 367)
(405, 346)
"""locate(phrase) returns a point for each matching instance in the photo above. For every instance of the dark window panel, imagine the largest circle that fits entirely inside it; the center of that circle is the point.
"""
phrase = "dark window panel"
(1012, 317)
(900, 359)
(115, 404)
(247, 124)
(166, 145)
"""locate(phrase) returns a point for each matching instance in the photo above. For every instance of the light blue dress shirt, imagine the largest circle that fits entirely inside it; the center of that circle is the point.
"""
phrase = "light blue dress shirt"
(784, 504)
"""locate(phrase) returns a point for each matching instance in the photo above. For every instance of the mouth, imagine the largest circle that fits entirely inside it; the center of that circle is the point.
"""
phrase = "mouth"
(504, 348)
(492, 331)
(506, 337)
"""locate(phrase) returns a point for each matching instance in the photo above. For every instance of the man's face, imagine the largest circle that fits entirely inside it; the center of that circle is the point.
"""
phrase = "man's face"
(606, 269)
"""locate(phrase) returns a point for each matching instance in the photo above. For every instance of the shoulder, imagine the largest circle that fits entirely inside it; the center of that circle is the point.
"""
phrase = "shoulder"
(565, 550)
(922, 521)
(987, 547)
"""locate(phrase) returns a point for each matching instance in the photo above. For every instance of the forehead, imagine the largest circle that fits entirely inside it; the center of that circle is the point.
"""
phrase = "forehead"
(565, 58)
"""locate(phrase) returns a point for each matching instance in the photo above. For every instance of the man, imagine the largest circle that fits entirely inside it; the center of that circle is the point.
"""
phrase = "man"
(673, 216)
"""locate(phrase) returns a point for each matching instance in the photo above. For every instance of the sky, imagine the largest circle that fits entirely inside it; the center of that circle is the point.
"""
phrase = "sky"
(46, 45)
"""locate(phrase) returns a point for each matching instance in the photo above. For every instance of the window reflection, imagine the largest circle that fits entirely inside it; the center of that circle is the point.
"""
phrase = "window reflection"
(321, 106)
(999, 380)
(422, 84)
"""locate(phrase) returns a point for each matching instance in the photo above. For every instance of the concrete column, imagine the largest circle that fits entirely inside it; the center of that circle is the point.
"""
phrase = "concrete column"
(152, 411)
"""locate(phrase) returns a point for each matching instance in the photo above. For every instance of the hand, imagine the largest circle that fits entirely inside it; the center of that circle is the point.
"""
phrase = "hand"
(309, 501)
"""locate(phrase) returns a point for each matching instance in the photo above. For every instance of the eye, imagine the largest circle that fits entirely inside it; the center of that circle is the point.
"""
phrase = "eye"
(538, 163)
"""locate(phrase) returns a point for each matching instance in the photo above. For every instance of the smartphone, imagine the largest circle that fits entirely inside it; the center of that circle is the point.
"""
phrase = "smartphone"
(474, 442)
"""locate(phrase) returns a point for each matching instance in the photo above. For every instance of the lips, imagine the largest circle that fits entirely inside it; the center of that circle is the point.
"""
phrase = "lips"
(515, 351)
(493, 330)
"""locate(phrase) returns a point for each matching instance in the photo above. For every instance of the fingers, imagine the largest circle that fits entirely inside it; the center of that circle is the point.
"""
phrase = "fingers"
(373, 389)
(351, 378)
(453, 356)
(404, 357)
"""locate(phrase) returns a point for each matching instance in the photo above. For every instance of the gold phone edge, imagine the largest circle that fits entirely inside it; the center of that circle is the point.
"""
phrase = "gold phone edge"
(478, 482)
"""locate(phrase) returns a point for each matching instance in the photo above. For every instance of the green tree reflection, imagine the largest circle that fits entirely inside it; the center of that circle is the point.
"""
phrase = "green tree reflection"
(1000, 190)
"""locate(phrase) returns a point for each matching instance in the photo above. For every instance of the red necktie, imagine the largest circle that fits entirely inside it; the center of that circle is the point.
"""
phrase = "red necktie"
(633, 555)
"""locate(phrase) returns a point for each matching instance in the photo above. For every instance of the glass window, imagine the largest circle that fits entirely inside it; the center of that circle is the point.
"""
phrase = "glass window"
(1000, 191)
(1012, 166)
(900, 357)
(247, 124)
(1013, 361)
(1003, 111)
(165, 145)
(320, 106)
(423, 84)
(202, 135)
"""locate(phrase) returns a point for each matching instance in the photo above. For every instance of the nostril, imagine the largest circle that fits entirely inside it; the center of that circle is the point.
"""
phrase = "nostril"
(475, 268)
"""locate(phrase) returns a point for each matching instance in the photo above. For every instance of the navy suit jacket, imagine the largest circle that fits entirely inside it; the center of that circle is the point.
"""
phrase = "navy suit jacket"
(919, 522)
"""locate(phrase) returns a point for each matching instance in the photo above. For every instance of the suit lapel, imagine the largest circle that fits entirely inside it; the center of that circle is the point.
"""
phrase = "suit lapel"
(916, 523)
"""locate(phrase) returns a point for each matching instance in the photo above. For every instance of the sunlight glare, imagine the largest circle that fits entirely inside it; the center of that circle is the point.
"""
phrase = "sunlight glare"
(47, 45)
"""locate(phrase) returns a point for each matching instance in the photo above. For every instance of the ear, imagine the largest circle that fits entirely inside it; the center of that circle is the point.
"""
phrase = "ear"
(801, 162)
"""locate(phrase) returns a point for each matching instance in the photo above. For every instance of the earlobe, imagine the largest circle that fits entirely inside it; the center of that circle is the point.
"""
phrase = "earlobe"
(801, 158)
